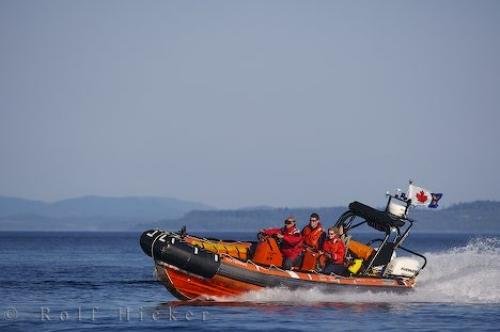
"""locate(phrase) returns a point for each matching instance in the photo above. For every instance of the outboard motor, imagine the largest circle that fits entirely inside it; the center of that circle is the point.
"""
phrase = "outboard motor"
(402, 267)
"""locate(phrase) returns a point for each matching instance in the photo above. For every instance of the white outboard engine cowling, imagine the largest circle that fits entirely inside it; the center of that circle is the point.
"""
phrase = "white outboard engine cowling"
(402, 267)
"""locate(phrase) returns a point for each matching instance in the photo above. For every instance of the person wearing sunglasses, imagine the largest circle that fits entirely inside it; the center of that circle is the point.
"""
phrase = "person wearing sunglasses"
(313, 232)
(291, 242)
(333, 249)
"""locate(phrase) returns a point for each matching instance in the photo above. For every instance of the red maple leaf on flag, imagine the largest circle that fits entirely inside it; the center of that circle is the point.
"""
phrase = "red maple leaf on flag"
(422, 197)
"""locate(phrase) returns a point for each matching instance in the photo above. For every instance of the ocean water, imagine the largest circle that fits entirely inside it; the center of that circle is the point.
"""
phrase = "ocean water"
(104, 282)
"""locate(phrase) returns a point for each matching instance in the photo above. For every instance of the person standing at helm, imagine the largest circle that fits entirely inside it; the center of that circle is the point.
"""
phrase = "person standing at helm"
(313, 232)
(291, 245)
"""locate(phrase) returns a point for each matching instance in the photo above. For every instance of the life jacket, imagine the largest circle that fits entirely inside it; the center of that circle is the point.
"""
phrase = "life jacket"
(336, 249)
(312, 235)
(291, 246)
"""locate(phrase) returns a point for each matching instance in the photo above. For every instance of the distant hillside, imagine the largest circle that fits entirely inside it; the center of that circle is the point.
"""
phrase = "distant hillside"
(474, 217)
(93, 213)
(12, 206)
(90, 212)
(247, 219)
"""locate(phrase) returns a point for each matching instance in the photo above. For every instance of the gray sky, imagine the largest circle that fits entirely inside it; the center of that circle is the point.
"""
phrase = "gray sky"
(232, 103)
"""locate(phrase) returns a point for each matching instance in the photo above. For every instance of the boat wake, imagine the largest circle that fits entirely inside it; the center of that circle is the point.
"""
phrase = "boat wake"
(466, 274)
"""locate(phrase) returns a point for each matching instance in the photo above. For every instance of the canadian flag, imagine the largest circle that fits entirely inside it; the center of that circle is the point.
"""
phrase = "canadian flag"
(419, 195)
(422, 196)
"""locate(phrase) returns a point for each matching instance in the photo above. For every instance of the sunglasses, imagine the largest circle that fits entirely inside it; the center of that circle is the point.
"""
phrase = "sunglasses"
(288, 222)
(313, 220)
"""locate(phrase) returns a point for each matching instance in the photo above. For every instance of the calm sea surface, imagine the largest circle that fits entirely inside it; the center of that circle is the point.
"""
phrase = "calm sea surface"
(103, 281)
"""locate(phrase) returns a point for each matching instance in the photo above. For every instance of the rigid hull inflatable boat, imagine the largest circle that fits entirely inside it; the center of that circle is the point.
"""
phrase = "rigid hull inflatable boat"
(193, 267)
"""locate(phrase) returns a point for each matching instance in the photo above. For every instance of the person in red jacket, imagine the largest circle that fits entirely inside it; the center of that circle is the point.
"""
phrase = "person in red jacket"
(313, 232)
(291, 242)
(334, 249)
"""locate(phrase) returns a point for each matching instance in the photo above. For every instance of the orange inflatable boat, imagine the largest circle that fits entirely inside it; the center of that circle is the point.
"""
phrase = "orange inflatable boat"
(193, 267)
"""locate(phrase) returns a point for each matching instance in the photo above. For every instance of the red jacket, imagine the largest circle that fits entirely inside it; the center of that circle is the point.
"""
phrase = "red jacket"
(336, 248)
(312, 235)
(291, 246)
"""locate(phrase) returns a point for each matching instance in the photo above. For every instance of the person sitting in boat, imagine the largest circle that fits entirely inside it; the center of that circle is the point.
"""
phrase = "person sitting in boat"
(291, 242)
(313, 232)
(333, 249)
